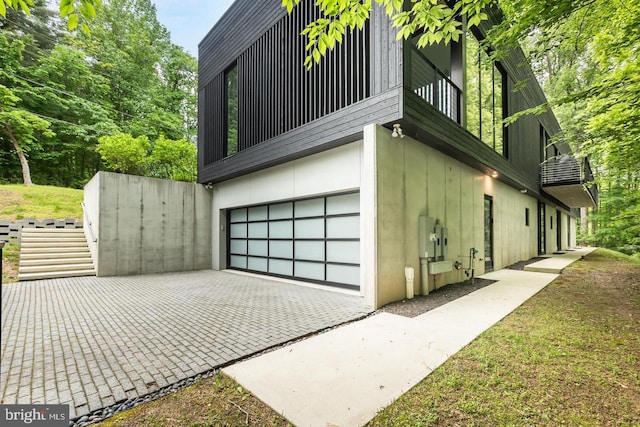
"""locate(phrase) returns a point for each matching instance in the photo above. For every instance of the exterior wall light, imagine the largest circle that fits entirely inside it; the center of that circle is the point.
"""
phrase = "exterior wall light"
(397, 131)
(494, 174)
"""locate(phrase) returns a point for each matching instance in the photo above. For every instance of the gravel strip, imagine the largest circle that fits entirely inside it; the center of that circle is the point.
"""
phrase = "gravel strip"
(421, 304)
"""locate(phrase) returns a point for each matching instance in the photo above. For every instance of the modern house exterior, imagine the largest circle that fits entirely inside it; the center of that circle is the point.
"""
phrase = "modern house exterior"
(381, 157)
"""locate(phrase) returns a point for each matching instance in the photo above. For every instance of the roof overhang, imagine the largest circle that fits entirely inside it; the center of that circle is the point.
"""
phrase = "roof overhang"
(572, 195)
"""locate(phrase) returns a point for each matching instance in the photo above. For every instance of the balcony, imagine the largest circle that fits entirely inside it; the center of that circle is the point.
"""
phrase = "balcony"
(433, 86)
(569, 180)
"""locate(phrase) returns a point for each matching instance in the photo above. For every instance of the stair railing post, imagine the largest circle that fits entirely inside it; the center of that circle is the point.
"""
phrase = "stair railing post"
(1, 247)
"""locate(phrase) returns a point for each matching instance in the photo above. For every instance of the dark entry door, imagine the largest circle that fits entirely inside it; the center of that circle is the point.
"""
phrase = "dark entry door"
(488, 233)
(559, 230)
(542, 229)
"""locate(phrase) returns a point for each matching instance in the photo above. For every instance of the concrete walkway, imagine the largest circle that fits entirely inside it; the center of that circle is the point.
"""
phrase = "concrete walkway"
(556, 263)
(92, 342)
(345, 376)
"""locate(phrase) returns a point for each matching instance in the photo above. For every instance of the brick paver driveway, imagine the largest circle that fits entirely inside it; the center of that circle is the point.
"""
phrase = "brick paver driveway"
(93, 342)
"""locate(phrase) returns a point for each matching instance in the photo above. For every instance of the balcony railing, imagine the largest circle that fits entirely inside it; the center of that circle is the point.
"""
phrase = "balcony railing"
(570, 180)
(435, 87)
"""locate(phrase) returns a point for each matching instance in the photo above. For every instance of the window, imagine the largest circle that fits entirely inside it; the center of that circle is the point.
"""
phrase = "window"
(485, 96)
(526, 216)
(436, 75)
(231, 96)
(551, 222)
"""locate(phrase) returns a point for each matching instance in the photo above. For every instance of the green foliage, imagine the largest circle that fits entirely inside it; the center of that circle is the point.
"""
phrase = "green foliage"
(165, 158)
(126, 78)
(21, 128)
(69, 9)
(591, 74)
(616, 222)
(124, 153)
(434, 21)
(175, 160)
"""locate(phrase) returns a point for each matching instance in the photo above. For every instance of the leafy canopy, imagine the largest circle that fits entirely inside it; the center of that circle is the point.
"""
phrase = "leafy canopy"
(165, 158)
(434, 20)
(75, 12)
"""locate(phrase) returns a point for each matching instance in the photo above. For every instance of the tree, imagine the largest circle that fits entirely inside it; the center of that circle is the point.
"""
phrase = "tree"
(58, 85)
(435, 21)
(175, 160)
(591, 74)
(126, 78)
(124, 153)
(69, 9)
(133, 52)
(21, 128)
(38, 23)
(164, 158)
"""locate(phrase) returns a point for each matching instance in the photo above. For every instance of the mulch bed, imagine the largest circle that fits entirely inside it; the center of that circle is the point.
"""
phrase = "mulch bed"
(423, 303)
(522, 264)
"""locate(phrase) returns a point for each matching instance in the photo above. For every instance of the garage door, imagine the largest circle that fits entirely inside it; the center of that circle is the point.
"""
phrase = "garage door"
(312, 239)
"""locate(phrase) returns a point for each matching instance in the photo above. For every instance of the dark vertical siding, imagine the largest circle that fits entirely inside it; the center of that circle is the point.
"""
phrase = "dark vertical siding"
(385, 65)
(278, 97)
(523, 136)
(277, 94)
(212, 118)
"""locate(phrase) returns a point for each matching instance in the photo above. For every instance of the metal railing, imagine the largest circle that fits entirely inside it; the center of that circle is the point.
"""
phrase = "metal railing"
(433, 86)
(89, 223)
(1, 247)
(562, 170)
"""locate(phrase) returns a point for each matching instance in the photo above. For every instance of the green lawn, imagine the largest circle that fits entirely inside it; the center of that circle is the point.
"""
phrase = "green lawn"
(40, 202)
(10, 258)
(568, 356)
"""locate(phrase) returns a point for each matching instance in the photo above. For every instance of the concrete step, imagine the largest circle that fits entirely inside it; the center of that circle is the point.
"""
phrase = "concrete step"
(55, 275)
(56, 244)
(44, 239)
(66, 249)
(54, 255)
(55, 261)
(56, 268)
(52, 230)
(52, 233)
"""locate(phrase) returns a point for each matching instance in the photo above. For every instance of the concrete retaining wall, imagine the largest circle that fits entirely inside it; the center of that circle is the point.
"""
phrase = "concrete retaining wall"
(144, 225)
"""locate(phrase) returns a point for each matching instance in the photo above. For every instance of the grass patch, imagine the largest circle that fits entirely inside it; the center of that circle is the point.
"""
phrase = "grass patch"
(39, 201)
(568, 356)
(10, 260)
(215, 401)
